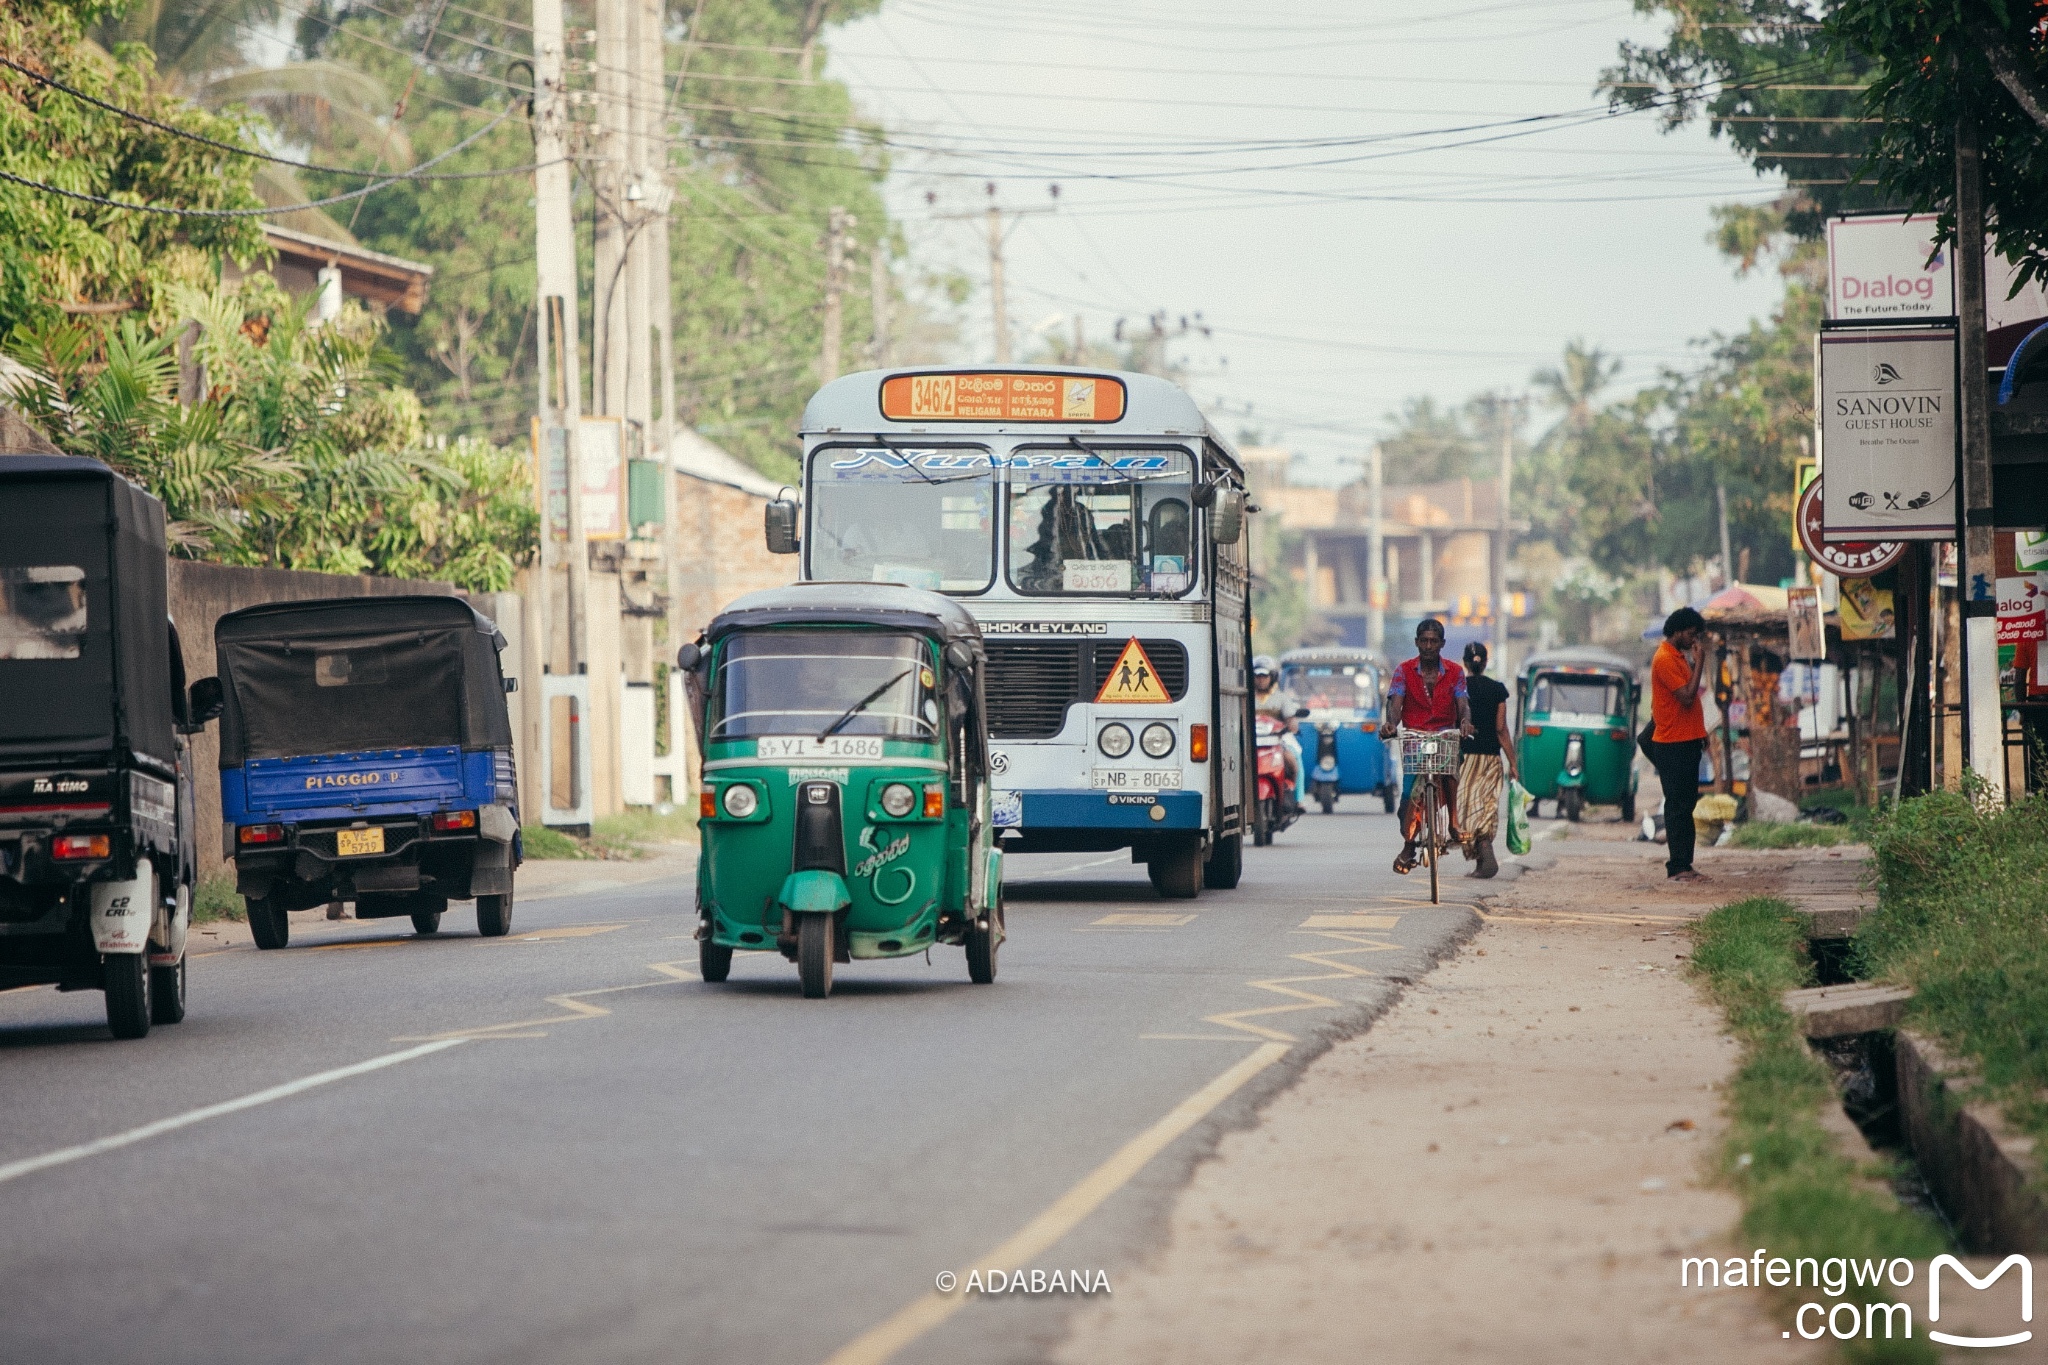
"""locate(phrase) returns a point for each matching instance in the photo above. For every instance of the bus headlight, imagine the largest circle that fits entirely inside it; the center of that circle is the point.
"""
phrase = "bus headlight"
(897, 799)
(1156, 740)
(1114, 740)
(740, 801)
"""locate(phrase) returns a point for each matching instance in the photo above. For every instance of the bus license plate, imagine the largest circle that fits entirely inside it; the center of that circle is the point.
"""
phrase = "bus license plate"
(1136, 779)
(836, 746)
(354, 843)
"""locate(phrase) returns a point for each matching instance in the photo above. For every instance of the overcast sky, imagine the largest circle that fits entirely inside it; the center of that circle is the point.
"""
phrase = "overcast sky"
(1334, 185)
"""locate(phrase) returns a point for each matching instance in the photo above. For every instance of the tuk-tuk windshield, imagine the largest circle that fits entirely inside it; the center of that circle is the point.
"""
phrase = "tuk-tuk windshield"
(1559, 695)
(803, 682)
(1332, 687)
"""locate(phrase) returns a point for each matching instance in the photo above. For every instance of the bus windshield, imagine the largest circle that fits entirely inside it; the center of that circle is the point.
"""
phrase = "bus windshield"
(1102, 521)
(924, 518)
(803, 682)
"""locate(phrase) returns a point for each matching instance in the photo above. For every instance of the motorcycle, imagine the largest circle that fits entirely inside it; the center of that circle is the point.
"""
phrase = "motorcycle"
(1277, 806)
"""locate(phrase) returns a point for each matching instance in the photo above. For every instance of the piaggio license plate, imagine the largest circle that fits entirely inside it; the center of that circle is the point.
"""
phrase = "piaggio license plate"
(354, 843)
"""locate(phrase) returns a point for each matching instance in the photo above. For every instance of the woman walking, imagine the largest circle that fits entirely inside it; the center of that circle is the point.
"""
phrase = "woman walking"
(1485, 754)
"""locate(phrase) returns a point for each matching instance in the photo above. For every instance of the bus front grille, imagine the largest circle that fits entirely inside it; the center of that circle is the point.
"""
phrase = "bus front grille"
(1030, 685)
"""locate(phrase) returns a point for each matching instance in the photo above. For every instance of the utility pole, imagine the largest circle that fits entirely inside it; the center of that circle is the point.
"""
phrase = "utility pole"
(879, 305)
(1080, 342)
(560, 368)
(1510, 409)
(999, 304)
(1983, 717)
(1727, 555)
(610, 176)
(837, 223)
(1376, 558)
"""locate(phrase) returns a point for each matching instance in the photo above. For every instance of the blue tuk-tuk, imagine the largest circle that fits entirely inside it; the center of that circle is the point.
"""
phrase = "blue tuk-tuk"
(366, 756)
(1341, 750)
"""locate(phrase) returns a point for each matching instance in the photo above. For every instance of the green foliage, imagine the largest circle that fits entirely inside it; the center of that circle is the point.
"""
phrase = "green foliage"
(1802, 1197)
(215, 899)
(543, 844)
(1933, 66)
(1431, 443)
(1764, 76)
(1963, 919)
(55, 251)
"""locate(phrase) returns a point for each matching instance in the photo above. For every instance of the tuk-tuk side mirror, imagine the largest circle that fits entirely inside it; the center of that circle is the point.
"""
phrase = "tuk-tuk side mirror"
(959, 655)
(1301, 713)
(511, 686)
(1226, 516)
(779, 524)
(689, 657)
(207, 702)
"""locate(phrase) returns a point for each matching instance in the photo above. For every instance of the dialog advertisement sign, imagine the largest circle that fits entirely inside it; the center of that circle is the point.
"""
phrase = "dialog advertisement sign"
(1888, 434)
(1002, 398)
(1887, 269)
(2022, 609)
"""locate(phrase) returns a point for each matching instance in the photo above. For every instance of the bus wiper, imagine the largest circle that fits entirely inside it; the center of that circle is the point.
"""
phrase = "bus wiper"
(850, 712)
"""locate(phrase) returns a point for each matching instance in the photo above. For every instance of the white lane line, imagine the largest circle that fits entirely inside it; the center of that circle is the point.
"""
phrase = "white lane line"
(13, 1170)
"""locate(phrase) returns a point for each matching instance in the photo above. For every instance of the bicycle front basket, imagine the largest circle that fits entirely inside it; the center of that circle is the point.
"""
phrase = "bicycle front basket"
(1429, 753)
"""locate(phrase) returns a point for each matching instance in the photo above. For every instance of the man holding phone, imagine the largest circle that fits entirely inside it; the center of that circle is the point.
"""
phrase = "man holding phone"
(1679, 733)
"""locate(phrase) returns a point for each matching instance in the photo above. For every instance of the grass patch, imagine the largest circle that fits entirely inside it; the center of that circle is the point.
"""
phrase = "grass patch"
(622, 836)
(1801, 1196)
(1757, 834)
(540, 842)
(1963, 919)
(215, 899)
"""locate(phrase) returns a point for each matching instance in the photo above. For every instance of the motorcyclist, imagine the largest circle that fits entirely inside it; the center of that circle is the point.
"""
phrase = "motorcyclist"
(1271, 699)
(1428, 693)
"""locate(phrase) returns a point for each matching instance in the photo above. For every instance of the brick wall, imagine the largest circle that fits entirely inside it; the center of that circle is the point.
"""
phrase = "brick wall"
(723, 553)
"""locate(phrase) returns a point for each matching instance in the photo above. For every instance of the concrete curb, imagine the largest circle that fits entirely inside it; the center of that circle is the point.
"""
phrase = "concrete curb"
(1984, 1174)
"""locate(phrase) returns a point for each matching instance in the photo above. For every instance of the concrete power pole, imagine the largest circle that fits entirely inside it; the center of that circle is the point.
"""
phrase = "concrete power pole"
(610, 174)
(1727, 554)
(879, 310)
(1983, 717)
(998, 298)
(560, 368)
(837, 223)
(1510, 409)
(1376, 557)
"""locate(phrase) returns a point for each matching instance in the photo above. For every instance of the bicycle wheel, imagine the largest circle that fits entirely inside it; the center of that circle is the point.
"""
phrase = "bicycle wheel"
(1431, 844)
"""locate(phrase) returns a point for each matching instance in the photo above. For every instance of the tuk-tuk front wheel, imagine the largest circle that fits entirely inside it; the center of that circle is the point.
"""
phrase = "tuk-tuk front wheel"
(1628, 807)
(983, 943)
(814, 954)
(267, 922)
(714, 960)
(167, 994)
(127, 982)
(1571, 804)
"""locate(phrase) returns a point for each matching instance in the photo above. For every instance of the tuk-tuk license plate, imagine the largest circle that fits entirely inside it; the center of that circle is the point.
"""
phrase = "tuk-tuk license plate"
(354, 843)
(1136, 779)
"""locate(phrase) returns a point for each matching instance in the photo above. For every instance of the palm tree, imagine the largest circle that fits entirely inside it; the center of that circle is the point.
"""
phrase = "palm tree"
(1575, 387)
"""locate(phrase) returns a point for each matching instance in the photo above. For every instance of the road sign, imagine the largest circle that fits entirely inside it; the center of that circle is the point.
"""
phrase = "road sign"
(1842, 558)
(1133, 678)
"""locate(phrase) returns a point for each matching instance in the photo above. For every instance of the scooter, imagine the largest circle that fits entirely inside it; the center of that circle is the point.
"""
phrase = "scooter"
(1322, 779)
(1277, 806)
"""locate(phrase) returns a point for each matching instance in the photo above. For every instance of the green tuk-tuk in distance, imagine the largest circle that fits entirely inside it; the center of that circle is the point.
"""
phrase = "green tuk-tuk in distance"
(1576, 709)
(845, 801)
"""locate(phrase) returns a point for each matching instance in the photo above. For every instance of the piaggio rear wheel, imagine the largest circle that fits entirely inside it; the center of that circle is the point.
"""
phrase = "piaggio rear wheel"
(494, 915)
(267, 922)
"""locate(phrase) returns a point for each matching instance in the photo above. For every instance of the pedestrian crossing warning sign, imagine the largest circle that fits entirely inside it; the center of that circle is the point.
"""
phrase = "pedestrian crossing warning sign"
(1132, 678)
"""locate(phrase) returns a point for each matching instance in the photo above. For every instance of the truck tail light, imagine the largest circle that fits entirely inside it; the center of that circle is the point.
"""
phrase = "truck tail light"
(934, 802)
(260, 834)
(1198, 743)
(454, 819)
(68, 847)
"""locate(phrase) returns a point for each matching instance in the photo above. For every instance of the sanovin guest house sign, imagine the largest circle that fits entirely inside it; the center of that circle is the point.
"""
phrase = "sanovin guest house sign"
(1888, 434)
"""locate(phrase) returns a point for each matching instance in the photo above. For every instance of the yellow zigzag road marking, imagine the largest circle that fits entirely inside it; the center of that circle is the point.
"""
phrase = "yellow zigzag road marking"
(571, 1004)
(1309, 1000)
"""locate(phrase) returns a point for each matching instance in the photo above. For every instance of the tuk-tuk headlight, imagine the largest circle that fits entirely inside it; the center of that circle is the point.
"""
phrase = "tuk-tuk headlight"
(740, 801)
(898, 799)
(1156, 740)
(1114, 740)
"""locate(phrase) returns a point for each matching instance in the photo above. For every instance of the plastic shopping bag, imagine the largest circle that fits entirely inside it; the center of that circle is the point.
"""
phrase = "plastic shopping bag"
(1518, 817)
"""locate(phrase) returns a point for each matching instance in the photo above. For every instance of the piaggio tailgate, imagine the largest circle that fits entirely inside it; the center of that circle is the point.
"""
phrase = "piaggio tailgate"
(391, 777)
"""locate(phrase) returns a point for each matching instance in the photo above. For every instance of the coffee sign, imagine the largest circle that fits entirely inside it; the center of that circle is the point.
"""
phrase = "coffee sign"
(1842, 558)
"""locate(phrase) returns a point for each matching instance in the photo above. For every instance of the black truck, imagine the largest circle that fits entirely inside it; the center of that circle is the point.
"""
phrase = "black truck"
(97, 856)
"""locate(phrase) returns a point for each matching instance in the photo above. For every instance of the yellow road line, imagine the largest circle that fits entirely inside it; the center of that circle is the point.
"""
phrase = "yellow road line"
(884, 1340)
(571, 1004)
(1308, 1000)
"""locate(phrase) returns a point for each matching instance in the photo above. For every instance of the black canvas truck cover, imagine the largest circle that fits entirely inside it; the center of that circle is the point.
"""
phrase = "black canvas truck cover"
(344, 675)
(85, 666)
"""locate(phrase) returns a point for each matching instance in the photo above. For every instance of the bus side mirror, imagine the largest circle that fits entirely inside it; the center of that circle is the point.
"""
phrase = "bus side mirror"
(511, 686)
(208, 701)
(779, 522)
(1226, 517)
(688, 657)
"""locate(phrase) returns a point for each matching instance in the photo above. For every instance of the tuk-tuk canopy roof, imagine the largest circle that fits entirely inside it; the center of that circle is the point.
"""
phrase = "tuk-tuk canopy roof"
(887, 605)
(344, 675)
(1584, 657)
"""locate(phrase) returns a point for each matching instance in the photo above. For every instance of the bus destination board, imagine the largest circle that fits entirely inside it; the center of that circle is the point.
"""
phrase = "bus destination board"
(988, 397)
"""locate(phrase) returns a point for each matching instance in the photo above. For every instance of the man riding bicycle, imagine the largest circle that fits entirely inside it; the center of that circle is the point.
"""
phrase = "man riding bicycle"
(1427, 693)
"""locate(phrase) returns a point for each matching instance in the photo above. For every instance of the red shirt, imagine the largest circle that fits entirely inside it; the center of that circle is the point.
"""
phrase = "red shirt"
(1424, 707)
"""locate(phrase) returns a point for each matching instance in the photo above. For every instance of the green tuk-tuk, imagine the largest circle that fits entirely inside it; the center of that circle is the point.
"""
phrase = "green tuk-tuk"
(1577, 712)
(845, 800)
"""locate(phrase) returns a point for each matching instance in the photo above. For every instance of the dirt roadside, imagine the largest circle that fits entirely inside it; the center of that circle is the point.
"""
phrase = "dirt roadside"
(1509, 1165)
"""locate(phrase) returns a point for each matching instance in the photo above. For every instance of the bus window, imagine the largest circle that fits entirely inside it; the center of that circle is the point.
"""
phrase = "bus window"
(924, 518)
(1107, 521)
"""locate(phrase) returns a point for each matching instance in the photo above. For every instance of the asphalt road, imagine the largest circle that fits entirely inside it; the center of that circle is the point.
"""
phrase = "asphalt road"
(568, 1148)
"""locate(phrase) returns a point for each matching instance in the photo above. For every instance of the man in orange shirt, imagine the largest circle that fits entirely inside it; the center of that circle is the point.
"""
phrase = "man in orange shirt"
(1680, 734)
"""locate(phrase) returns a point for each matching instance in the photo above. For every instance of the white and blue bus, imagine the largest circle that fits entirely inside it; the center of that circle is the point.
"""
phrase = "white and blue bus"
(1094, 524)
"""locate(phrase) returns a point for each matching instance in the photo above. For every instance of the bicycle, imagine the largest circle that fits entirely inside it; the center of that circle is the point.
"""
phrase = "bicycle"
(1430, 756)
